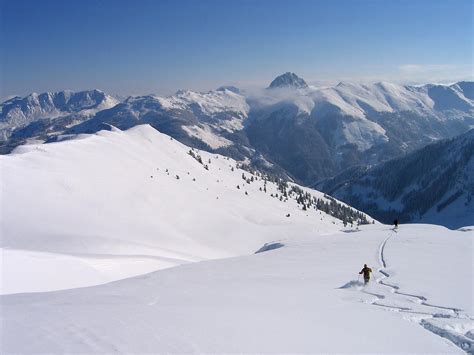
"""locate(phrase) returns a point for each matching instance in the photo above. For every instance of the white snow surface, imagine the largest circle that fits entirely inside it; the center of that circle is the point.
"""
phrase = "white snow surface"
(303, 297)
(84, 212)
(113, 196)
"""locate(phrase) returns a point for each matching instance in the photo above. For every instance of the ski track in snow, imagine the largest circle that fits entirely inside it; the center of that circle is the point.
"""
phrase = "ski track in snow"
(433, 318)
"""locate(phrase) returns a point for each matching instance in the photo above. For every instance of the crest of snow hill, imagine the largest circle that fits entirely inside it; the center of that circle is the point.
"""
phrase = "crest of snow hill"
(290, 129)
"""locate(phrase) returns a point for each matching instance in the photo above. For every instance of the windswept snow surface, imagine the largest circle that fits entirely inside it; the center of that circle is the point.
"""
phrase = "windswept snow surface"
(111, 206)
(301, 297)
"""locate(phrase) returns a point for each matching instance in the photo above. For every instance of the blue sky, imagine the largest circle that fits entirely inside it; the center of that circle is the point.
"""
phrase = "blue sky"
(143, 46)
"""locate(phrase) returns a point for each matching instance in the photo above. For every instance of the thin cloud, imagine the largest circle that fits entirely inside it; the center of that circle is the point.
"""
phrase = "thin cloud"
(435, 72)
(425, 68)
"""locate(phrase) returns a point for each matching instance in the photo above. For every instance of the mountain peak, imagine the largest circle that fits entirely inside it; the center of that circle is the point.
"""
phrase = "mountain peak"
(288, 80)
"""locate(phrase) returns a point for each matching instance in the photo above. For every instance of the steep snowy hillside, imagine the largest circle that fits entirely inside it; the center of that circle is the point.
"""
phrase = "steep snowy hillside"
(117, 204)
(303, 297)
(432, 185)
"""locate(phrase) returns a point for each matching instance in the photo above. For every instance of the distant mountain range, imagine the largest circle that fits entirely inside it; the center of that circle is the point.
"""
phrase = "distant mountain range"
(432, 185)
(18, 113)
(290, 128)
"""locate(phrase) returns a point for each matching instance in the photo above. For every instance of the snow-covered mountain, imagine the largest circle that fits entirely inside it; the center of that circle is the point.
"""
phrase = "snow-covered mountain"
(143, 198)
(432, 185)
(290, 128)
(317, 133)
(205, 119)
(18, 112)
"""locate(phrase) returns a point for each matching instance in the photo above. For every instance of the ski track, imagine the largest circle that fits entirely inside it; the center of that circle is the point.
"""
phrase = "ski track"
(423, 317)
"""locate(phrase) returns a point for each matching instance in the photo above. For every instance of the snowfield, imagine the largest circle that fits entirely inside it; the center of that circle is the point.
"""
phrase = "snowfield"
(121, 205)
(117, 204)
(301, 297)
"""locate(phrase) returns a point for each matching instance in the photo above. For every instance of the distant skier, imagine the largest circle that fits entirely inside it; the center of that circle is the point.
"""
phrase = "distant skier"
(366, 272)
(395, 224)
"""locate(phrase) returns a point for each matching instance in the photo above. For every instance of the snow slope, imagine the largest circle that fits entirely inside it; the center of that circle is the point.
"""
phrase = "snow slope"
(303, 297)
(118, 204)
(108, 206)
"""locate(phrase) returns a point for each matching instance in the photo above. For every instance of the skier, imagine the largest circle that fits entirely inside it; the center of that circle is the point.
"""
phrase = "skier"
(366, 271)
(395, 224)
